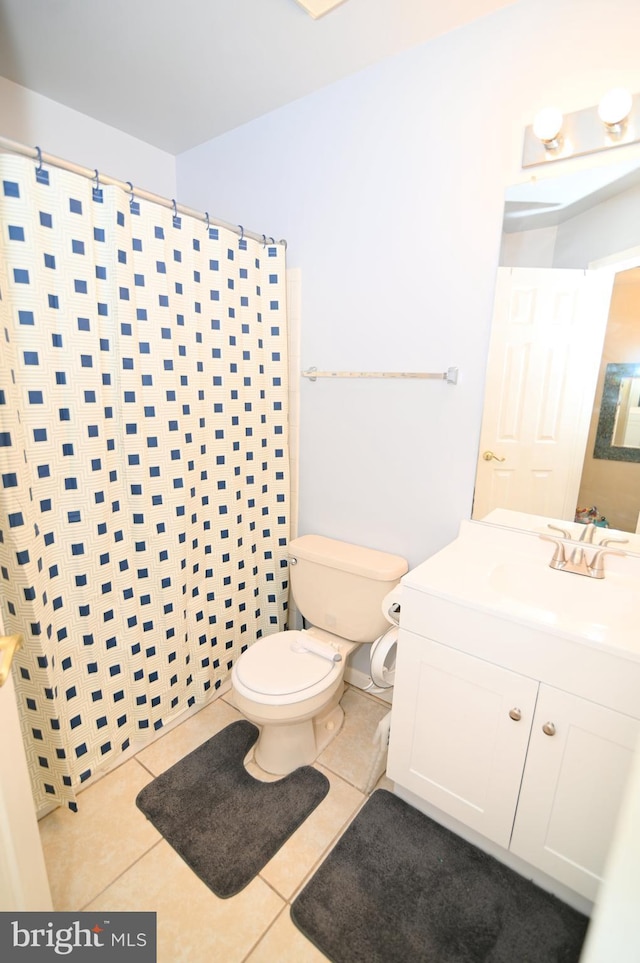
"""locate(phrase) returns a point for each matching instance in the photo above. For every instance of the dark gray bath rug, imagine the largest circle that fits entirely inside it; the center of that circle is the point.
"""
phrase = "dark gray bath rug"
(398, 887)
(225, 824)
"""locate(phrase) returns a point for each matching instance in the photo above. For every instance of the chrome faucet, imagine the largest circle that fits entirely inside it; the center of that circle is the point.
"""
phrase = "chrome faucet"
(586, 537)
(577, 562)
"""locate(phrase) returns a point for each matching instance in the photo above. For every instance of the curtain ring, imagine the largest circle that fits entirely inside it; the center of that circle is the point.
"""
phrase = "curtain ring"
(175, 209)
(39, 153)
(206, 214)
(241, 232)
(264, 240)
(97, 178)
(130, 188)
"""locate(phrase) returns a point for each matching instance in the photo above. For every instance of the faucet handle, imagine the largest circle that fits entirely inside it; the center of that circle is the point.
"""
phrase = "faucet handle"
(559, 559)
(563, 531)
(596, 566)
(613, 541)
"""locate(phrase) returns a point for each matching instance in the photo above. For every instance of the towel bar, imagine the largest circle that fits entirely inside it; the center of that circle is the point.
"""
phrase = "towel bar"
(450, 375)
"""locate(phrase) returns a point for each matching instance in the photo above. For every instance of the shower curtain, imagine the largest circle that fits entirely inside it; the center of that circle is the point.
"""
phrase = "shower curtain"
(143, 462)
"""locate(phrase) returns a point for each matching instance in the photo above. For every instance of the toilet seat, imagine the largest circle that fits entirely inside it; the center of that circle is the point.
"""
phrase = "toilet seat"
(271, 671)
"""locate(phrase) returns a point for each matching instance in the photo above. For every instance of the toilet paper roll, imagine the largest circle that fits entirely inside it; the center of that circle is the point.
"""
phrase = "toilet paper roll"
(391, 605)
(383, 661)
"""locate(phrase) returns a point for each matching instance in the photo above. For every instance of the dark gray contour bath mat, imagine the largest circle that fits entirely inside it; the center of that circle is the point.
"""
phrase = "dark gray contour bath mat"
(225, 824)
(400, 888)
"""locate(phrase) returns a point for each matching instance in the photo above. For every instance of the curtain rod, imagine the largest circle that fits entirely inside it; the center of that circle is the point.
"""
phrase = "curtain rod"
(14, 147)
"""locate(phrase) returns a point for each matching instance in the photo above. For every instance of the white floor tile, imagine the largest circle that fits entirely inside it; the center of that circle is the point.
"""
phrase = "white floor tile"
(108, 857)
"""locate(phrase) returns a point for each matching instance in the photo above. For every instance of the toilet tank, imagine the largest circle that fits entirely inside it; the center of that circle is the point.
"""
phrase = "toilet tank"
(339, 587)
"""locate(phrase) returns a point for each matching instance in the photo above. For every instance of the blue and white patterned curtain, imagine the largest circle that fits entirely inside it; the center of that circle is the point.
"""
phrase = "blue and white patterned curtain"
(143, 462)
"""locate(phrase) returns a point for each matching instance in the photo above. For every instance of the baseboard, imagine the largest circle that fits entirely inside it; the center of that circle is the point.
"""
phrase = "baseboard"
(360, 680)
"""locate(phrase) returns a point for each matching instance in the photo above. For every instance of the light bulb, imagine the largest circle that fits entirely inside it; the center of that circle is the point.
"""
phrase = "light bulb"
(615, 107)
(547, 126)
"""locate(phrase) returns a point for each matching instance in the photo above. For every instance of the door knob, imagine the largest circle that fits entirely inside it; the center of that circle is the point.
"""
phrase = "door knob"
(549, 729)
(515, 714)
(489, 455)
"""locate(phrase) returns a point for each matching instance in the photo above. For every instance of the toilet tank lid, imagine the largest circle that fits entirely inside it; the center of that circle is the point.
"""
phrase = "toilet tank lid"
(368, 562)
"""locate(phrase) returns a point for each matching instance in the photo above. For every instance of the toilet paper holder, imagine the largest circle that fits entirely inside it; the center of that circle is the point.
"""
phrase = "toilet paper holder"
(383, 676)
(392, 605)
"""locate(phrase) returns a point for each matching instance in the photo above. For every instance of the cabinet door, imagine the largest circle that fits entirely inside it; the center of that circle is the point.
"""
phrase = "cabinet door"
(579, 759)
(459, 733)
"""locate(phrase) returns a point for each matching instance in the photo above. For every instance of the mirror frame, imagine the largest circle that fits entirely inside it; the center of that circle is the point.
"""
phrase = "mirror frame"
(610, 394)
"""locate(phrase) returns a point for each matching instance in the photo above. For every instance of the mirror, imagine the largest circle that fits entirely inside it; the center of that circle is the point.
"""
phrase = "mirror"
(557, 230)
(618, 433)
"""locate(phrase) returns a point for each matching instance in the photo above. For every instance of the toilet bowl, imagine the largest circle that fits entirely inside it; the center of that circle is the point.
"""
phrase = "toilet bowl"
(293, 695)
(290, 683)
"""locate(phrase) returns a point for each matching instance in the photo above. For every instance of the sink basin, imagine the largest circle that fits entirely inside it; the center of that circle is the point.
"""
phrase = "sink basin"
(597, 608)
(507, 573)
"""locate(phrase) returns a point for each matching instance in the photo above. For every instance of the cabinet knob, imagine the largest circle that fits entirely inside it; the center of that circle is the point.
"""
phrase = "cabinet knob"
(549, 729)
(515, 714)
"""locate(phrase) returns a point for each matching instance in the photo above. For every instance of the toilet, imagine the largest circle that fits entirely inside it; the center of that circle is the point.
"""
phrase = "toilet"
(290, 683)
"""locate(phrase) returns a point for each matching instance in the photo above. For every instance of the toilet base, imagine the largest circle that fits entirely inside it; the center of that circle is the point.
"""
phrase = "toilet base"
(281, 748)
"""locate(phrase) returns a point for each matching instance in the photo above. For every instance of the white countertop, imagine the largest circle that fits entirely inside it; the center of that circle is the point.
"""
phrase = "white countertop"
(506, 573)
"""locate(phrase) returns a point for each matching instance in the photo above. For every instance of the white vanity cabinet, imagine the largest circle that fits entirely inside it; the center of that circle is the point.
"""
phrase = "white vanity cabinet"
(518, 737)
(576, 770)
(469, 724)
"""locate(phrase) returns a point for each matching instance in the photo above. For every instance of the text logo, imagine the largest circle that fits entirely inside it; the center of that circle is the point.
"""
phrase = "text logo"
(81, 937)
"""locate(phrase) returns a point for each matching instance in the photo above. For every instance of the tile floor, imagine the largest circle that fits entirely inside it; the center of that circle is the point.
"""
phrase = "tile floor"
(107, 857)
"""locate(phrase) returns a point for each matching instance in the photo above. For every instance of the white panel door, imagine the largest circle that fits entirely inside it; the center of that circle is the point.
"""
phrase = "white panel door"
(23, 878)
(463, 751)
(573, 786)
(546, 343)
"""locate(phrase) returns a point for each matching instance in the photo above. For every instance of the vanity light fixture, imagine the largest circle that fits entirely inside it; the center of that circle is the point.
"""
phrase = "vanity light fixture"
(613, 123)
(547, 127)
(614, 110)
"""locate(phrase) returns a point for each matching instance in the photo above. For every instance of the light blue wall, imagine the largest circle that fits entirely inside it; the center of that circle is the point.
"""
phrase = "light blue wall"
(607, 228)
(389, 189)
(29, 118)
(610, 227)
